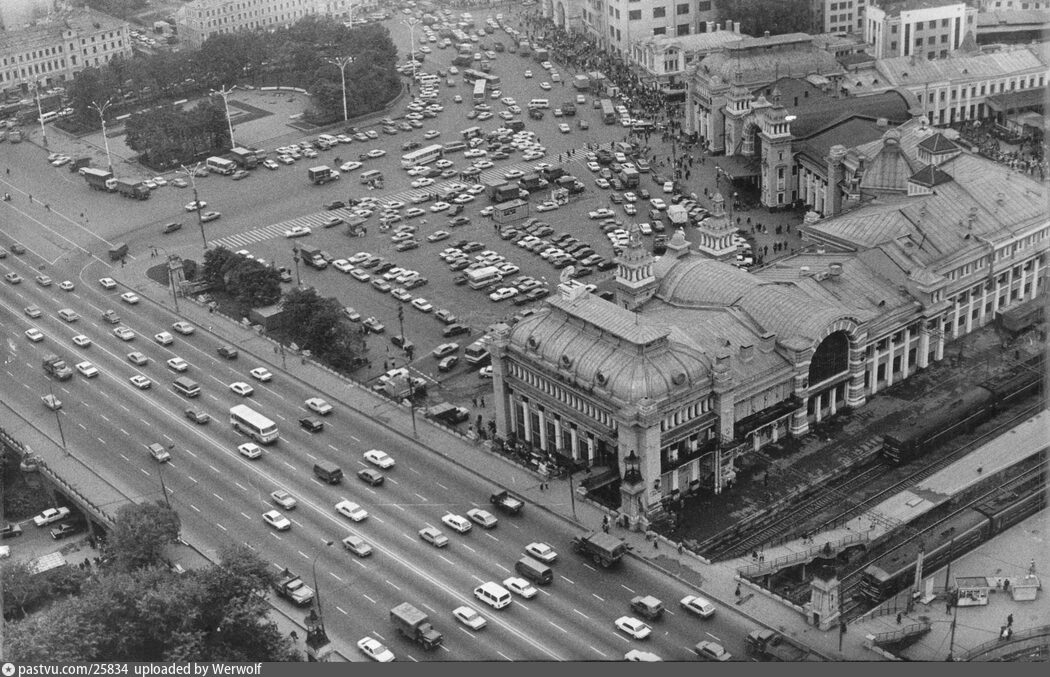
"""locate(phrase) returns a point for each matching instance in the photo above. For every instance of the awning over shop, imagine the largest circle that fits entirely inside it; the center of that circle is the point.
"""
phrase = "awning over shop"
(738, 167)
(1019, 100)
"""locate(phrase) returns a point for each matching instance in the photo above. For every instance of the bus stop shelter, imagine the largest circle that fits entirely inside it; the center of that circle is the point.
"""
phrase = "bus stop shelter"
(511, 211)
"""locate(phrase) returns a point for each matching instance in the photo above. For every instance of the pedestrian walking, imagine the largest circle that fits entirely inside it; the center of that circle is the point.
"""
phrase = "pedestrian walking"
(899, 617)
(737, 590)
(474, 401)
(1010, 621)
(482, 401)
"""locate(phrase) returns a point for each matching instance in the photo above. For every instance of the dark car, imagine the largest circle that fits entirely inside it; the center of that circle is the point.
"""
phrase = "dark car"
(197, 416)
(449, 363)
(407, 245)
(10, 531)
(410, 145)
(335, 204)
(371, 476)
(455, 329)
(171, 227)
(384, 266)
(229, 352)
(460, 280)
(508, 234)
(583, 271)
(417, 282)
(537, 294)
(459, 264)
(459, 221)
(63, 530)
(311, 424)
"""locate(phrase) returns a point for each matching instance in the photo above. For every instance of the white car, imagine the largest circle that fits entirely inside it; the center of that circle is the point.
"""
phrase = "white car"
(276, 520)
(520, 586)
(50, 516)
(66, 285)
(342, 265)
(376, 153)
(469, 617)
(242, 388)
(546, 206)
(422, 305)
(351, 166)
(423, 182)
(379, 458)
(284, 499)
(528, 73)
(564, 128)
(440, 206)
(108, 283)
(443, 163)
(503, 293)
(196, 205)
(184, 328)
(178, 364)
(375, 650)
(297, 231)
(350, 509)
(250, 450)
(545, 86)
(87, 369)
(140, 382)
(129, 298)
(602, 213)
(697, 605)
(594, 167)
(261, 374)
(668, 187)
(541, 551)
(164, 338)
(482, 517)
(457, 523)
(630, 197)
(81, 341)
(318, 406)
(431, 134)
(513, 174)
(633, 627)
(657, 203)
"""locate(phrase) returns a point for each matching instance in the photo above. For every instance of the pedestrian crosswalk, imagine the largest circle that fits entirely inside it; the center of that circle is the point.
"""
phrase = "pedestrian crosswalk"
(316, 220)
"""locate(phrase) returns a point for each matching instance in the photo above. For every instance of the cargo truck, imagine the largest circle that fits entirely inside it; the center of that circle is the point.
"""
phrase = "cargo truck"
(604, 549)
(506, 192)
(322, 175)
(508, 503)
(678, 216)
(415, 625)
(100, 179)
(541, 55)
(75, 165)
(770, 645)
(291, 587)
(532, 182)
(56, 367)
(244, 157)
(630, 177)
(581, 83)
(312, 257)
(133, 188)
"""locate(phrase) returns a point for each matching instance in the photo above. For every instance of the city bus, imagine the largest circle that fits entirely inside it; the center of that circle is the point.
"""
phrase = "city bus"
(422, 156)
(479, 91)
(471, 75)
(608, 112)
(246, 420)
(220, 165)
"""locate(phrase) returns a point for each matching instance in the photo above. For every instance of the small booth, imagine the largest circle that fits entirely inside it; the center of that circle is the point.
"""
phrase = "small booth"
(973, 590)
(511, 211)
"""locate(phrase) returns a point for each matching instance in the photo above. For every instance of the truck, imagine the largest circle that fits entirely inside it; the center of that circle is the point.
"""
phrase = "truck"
(552, 174)
(571, 183)
(56, 367)
(415, 625)
(505, 193)
(532, 182)
(630, 177)
(245, 158)
(76, 164)
(312, 257)
(133, 188)
(322, 175)
(581, 83)
(100, 179)
(291, 587)
(770, 645)
(447, 413)
(541, 55)
(678, 216)
(604, 549)
(504, 501)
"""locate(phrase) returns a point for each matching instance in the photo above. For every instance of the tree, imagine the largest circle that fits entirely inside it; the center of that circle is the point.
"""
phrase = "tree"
(776, 16)
(216, 261)
(140, 533)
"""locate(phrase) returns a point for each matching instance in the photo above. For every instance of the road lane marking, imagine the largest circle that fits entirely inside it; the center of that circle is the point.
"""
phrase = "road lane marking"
(368, 598)
(190, 453)
(505, 656)
(422, 498)
(415, 471)
(289, 465)
(195, 507)
(470, 548)
(623, 638)
(446, 559)
(392, 480)
(559, 627)
(465, 631)
(441, 485)
(335, 576)
(143, 471)
(221, 527)
(429, 608)
(596, 651)
(332, 448)
(303, 554)
(360, 564)
(341, 611)
(391, 585)
(246, 516)
(218, 497)
(122, 455)
(354, 439)
(627, 589)
(544, 592)
(445, 648)
(411, 539)
(298, 524)
(399, 507)
(567, 580)
(214, 468)
(378, 635)
(492, 537)
(378, 520)
(590, 567)
(515, 526)
(240, 486)
(503, 567)
(192, 479)
(717, 639)
(520, 604)
(416, 660)
(476, 578)
(582, 614)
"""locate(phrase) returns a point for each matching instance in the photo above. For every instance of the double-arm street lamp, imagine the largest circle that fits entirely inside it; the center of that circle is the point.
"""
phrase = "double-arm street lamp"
(316, 637)
(191, 173)
(105, 139)
(411, 387)
(225, 94)
(40, 113)
(411, 23)
(342, 63)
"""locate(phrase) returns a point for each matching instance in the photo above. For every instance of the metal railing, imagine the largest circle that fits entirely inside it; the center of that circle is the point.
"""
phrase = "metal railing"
(903, 632)
(787, 560)
(997, 648)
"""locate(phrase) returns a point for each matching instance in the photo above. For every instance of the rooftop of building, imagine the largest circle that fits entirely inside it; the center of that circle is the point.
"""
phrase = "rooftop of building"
(895, 7)
(47, 33)
(694, 42)
(1012, 17)
(754, 62)
(906, 70)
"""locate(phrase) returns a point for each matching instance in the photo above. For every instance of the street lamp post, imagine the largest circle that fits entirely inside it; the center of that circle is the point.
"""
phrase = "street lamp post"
(342, 63)
(105, 139)
(411, 388)
(196, 200)
(295, 258)
(58, 419)
(316, 635)
(411, 23)
(40, 113)
(160, 474)
(225, 93)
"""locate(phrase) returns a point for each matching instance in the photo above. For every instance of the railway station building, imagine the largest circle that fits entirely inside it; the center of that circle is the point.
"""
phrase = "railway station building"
(695, 362)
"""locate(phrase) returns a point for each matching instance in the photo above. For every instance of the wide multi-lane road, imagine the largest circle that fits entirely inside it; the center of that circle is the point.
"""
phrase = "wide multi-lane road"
(221, 495)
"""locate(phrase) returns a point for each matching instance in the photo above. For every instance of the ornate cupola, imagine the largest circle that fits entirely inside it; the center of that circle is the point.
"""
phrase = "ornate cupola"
(635, 282)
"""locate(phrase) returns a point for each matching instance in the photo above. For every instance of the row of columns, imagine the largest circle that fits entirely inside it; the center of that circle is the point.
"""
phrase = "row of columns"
(579, 444)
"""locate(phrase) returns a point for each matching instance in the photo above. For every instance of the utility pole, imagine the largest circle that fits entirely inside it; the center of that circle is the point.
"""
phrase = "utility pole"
(105, 139)
(196, 200)
(40, 113)
(411, 23)
(411, 387)
(160, 474)
(342, 63)
(225, 93)
(58, 419)
(295, 258)
(316, 637)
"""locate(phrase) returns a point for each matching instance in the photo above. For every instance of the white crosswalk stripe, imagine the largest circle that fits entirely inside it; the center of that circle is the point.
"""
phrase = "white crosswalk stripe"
(240, 240)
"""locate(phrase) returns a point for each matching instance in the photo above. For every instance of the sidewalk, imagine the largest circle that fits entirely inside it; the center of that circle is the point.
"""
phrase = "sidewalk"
(718, 580)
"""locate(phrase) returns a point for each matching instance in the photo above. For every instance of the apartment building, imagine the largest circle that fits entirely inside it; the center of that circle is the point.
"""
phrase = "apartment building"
(992, 5)
(923, 28)
(200, 19)
(838, 16)
(53, 52)
(617, 24)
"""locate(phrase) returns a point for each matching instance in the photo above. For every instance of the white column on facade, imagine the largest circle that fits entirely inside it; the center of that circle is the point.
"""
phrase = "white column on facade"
(889, 362)
(833, 404)
(590, 449)
(574, 442)
(512, 423)
(543, 429)
(527, 417)
(924, 347)
(1034, 289)
(818, 405)
(557, 433)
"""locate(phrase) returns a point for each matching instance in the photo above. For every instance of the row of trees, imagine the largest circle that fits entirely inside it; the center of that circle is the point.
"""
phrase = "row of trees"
(776, 16)
(134, 608)
(310, 321)
(297, 55)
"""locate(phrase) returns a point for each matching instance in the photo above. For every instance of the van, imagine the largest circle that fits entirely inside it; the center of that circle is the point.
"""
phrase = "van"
(515, 125)
(118, 252)
(329, 139)
(49, 117)
(453, 146)
(371, 175)
(647, 606)
(186, 386)
(534, 570)
(329, 473)
(540, 103)
(496, 596)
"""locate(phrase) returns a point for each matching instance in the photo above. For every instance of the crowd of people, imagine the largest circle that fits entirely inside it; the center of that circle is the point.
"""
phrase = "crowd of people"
(1024, 154)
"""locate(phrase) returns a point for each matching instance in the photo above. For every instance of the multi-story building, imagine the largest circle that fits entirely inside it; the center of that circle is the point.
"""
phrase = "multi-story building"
(665, 59)
(924, 28)
(695, 364)
(200, 19)
(18, 14)
(992, 5)
(617, 24)
(838, 16)
(53, 52)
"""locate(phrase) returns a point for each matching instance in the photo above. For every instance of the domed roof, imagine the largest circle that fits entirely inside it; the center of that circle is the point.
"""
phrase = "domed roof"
(700, 281)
